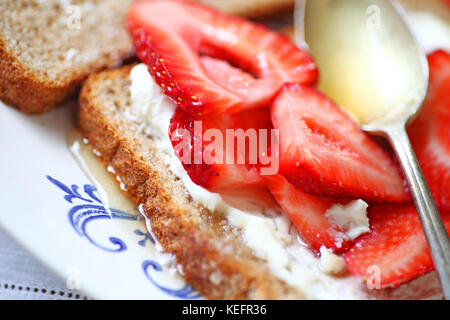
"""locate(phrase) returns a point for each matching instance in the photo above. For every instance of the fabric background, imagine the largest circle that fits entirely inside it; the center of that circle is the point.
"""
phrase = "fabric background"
(22, 277)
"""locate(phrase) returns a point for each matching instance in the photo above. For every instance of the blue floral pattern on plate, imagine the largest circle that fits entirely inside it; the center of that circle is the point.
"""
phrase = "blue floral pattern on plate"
(93, 209)
(186, 292)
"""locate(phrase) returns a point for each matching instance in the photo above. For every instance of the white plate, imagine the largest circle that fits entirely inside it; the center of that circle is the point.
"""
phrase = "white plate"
(50, 207)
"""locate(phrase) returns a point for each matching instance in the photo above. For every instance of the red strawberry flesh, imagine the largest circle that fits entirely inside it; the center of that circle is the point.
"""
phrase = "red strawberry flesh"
(307, 212)
(395, 251)
(325, 153)
(238, 182)
(430, 132)
(171, 36)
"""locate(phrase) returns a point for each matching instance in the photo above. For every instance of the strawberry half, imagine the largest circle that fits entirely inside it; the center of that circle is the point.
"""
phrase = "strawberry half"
(323, 152)
(219, 166)
(172, 36)
(430, 132)
(307, 212)
(396, 247)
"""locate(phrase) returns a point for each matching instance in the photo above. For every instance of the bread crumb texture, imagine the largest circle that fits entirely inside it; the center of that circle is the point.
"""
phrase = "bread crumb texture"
(47, 47)
(210, 252)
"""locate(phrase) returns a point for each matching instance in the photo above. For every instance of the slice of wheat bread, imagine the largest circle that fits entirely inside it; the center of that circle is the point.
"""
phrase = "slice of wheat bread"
(212, 258)
(212, 254)
(48, 47)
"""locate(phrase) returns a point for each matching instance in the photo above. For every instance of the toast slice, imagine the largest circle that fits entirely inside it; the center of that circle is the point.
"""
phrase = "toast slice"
(214, 255)
(48, 47)
(213, 259)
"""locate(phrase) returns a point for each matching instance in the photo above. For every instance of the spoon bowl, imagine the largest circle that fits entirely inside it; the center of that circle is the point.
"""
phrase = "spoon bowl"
(372, 66)
(368, 57)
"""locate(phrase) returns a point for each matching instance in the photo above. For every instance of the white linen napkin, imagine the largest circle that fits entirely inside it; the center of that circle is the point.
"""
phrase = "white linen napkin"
(22, 277)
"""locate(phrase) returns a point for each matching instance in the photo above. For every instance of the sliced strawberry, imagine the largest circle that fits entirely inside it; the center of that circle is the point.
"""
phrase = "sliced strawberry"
(226, 75)
(430, 132)
(171, 36)
(215, 163)
(323, 152)
(307, 212)
(396, 247)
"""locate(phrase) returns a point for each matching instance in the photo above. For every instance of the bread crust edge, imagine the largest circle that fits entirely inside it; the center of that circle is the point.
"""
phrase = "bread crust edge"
(32, 92)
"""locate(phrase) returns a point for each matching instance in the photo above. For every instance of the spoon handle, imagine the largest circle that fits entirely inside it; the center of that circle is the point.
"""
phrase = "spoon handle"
(433, 227)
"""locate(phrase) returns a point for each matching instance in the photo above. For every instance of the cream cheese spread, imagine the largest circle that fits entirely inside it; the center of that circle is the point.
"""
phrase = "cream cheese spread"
(331, 263)
(350, 218)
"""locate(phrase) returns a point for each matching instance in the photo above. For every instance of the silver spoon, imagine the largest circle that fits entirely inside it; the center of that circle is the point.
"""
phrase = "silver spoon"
(368, 57)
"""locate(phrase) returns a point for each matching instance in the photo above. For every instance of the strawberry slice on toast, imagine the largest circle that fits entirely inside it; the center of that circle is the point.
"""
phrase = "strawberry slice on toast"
(171, 37)
(325, 153)
(307, 213)
(430, 131)
(395, 251)
(213, 162)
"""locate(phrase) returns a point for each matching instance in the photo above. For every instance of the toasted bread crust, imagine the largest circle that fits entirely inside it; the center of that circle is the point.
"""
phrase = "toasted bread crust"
(212, 257)
(32, 92)
(21, 88)
(43, 60)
